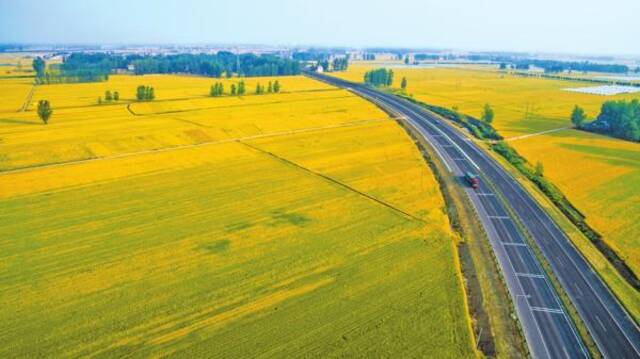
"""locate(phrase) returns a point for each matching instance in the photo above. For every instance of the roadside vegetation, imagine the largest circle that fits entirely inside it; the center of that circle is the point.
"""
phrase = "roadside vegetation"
(619, 119)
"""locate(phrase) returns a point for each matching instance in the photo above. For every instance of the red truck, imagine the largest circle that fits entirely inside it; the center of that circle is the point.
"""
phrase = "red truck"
(472, 179)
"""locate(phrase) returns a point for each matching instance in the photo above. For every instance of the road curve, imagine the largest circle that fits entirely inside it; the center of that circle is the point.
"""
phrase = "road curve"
(548, 329)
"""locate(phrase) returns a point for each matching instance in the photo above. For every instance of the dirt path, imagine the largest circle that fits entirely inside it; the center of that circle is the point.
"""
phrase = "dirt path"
(536, 134)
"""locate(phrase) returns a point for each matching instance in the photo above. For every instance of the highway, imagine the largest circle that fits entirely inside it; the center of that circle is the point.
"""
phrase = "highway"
(507, 211)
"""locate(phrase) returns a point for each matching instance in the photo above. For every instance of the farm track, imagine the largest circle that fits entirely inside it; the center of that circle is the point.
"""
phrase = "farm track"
(229, 106)
(515, 138)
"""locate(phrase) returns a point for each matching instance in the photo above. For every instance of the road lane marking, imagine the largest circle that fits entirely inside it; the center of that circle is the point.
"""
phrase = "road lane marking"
(530, 275)
(578, 289)
(600, 322)
(485, 194)
(547, 310)
(499, 217)
(514, 244)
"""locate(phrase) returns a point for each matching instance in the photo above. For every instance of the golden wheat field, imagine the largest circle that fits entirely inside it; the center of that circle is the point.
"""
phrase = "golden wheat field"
(522, 105)
(298, 224)
(600, 175)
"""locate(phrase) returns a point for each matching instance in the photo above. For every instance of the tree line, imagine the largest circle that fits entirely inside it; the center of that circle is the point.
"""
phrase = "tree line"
(217, 65)
(145, 93)
(617, 118)
(340, 64)
(217, 89)
(84, 67)
(77, 67)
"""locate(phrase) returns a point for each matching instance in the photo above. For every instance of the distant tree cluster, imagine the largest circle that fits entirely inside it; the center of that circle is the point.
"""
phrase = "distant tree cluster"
(324, 64)
(551, 66)
(217, 90)
(618, 118)
(85, 67)
(145, 93)
(379, 77)
(369, 57)
(311, 55)
(39, 66)
(218, 64)
(80, 67)
(422, 57)
(340, 64)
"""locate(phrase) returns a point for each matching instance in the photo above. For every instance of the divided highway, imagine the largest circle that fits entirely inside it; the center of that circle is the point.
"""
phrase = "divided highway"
(548, 329)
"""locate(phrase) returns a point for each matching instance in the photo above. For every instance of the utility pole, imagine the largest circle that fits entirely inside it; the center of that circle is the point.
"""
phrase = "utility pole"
(238, 61)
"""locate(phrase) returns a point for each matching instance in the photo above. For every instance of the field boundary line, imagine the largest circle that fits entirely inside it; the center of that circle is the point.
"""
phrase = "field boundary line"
(28, 99)
(195, 145)
(267, 103)
(334, 181)
(522, 137)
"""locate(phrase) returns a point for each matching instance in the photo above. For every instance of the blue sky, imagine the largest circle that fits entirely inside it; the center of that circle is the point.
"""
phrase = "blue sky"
(574, 26)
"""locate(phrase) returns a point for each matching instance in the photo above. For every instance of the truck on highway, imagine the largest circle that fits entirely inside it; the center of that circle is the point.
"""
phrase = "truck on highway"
(472, 179)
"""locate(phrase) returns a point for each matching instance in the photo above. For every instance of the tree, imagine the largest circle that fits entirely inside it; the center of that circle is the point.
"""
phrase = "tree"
(234, 91)
(270, 87)
(217, 89)
(99, 100)
(259, 89)
(39, 66)
(276, 86)
(539, 169)
(379, 77)
(241, 88)
(578, 116)
(403, 83)
(44, 111)
(145, 93)
(487, 114)
(116, 96)
(108, 96)
(406, 60)
(503, 66)
(140, 93)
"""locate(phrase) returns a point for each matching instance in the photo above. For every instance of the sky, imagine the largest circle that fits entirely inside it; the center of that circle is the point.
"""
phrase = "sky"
(558, 26)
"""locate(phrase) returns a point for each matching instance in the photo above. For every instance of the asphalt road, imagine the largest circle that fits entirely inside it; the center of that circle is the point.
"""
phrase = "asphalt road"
(549, 331)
